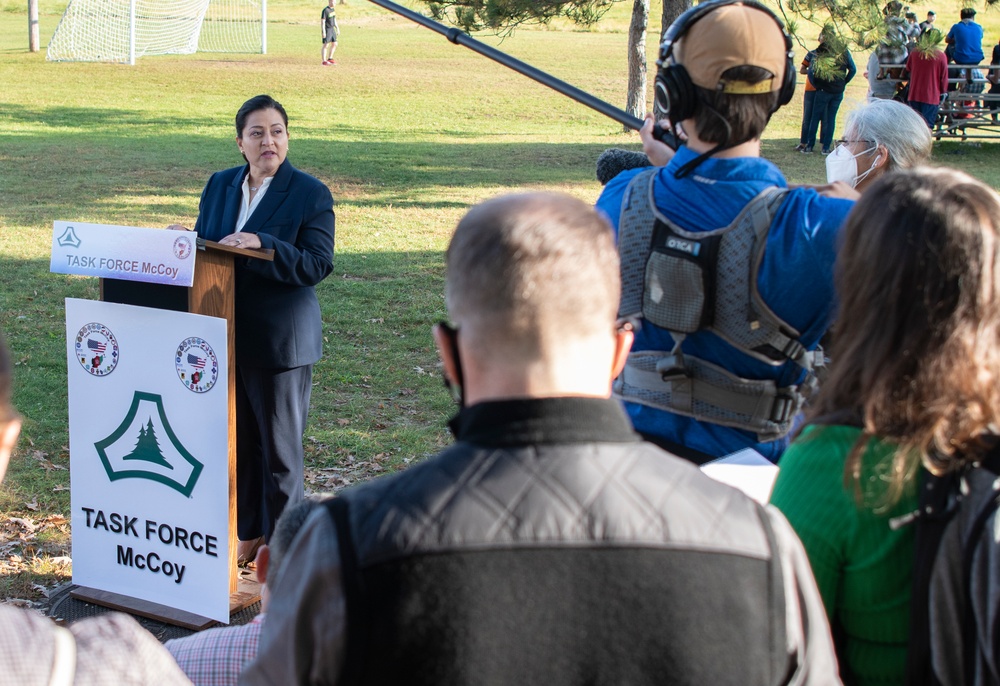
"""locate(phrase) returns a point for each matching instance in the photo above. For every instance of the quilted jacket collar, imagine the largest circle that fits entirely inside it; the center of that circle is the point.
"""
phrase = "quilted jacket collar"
(543, 420)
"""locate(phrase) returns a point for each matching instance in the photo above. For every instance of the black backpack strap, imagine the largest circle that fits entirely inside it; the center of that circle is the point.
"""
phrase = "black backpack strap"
(986, 473)
(957, 504)
(932, 517)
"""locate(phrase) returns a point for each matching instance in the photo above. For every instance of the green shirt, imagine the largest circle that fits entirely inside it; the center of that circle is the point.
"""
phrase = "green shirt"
(862, 566)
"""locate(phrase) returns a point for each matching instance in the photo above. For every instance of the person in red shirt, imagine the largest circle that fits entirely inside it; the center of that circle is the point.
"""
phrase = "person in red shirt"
(928, 74)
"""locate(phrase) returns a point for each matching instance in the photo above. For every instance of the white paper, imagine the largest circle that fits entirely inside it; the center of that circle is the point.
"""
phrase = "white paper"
(746, 470)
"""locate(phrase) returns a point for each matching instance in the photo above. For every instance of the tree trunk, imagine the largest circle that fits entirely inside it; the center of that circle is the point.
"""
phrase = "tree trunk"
(637, 59)
(671, 10)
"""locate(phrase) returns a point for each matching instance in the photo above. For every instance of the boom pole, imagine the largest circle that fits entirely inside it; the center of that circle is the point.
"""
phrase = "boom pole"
(459, 37)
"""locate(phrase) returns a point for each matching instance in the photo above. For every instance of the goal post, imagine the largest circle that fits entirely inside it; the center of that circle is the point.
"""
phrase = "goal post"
(123, 30)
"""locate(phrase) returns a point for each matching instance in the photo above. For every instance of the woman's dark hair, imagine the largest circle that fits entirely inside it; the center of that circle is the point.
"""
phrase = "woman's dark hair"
(255, 104)
(915, 350)
(723, 118)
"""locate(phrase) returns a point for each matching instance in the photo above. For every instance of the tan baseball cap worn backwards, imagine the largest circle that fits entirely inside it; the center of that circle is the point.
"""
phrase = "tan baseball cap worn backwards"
(733, 36)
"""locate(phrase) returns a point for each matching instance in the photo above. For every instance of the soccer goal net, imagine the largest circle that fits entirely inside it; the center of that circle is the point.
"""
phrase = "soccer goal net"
(122, 30)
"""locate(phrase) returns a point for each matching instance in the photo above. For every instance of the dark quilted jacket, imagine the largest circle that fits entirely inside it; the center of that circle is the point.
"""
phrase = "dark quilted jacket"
(550, 546)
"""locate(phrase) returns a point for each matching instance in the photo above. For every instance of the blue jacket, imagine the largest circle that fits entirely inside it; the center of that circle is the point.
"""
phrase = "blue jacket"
(968, 40)
(278, 323)
(795, 278)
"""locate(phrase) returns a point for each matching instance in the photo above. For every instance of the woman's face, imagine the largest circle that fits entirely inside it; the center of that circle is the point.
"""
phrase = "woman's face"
(869, 157)
(264, 141)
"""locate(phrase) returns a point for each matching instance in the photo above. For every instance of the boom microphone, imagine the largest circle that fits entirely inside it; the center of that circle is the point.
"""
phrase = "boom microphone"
(458, 37)
(614, 161)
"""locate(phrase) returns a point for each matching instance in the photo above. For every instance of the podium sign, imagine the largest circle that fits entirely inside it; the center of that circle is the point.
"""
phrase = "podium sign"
(148, 410)
(123, 252)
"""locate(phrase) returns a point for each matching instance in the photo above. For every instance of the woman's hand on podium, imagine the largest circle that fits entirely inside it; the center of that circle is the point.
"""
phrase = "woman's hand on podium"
(178, 227)
(242, 240)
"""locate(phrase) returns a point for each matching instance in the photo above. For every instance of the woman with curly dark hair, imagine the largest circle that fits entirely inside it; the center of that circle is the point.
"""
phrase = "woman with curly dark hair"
(914, 384)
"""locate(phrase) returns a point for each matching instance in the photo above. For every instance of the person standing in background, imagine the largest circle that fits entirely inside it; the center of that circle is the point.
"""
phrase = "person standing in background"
(928, 24)
(927, 70)
(330, 31)
(807, 103)
(829, 92)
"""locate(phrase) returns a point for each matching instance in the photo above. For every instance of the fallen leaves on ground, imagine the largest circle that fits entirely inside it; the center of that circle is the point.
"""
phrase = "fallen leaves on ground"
(32, 547)
(351, 470)
(43, 461)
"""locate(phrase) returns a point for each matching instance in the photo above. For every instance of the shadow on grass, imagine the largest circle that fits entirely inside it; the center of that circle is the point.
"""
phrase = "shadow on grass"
(84, 166)
(378, 370)
(95, 117)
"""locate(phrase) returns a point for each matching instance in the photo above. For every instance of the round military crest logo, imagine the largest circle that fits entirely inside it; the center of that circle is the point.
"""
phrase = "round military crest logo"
(97, 349)
(182, 247)
(197, 365)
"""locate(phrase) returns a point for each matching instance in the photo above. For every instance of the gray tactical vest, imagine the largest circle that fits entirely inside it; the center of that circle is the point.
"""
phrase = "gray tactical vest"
(684, 282)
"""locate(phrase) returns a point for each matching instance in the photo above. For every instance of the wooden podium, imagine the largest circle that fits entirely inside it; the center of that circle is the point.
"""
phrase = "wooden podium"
(211, 294)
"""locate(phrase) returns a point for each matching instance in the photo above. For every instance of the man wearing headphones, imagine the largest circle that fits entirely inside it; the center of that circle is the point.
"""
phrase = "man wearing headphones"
(729, 272)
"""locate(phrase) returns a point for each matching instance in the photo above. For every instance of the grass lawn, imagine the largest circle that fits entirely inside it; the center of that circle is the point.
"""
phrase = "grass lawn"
(408, 131)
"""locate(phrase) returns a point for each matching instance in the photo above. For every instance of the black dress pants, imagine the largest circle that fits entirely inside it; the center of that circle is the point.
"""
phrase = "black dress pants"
(272, 406)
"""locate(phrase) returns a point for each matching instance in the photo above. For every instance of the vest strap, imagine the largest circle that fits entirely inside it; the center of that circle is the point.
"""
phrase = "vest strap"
(706, 280)
(354, 591)
(695, 388)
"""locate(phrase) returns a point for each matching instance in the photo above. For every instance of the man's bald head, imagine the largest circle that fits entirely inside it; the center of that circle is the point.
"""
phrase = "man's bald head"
(529, 273)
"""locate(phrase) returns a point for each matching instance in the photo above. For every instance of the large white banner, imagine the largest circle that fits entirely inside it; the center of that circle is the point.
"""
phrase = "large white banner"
(148, 415)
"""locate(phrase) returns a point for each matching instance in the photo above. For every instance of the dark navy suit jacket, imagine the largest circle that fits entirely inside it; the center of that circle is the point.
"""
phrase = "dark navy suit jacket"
(278, 323)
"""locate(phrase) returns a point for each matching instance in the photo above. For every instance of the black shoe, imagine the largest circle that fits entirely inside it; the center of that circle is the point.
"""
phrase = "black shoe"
(827, 151)
(801, 147)
(807, 150)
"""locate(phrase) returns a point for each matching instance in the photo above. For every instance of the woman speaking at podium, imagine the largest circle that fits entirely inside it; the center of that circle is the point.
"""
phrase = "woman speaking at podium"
(267, 203)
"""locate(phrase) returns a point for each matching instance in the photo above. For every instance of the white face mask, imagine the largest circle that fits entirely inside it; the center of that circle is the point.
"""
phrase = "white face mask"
(840, 165)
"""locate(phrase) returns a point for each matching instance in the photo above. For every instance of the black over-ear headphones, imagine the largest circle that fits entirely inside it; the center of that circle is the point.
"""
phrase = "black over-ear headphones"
(675, 96)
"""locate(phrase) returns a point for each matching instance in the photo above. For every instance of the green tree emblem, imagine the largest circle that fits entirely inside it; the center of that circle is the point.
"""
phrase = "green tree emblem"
(147, 448)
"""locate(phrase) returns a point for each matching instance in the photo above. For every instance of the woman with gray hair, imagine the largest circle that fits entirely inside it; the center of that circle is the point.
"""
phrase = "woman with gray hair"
(880, 137)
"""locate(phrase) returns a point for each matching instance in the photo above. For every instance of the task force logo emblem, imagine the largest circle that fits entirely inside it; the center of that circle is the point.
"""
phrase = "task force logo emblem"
(144, 446)
(97, 349)
(197, 366)
(69, 239)
(182, 247)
